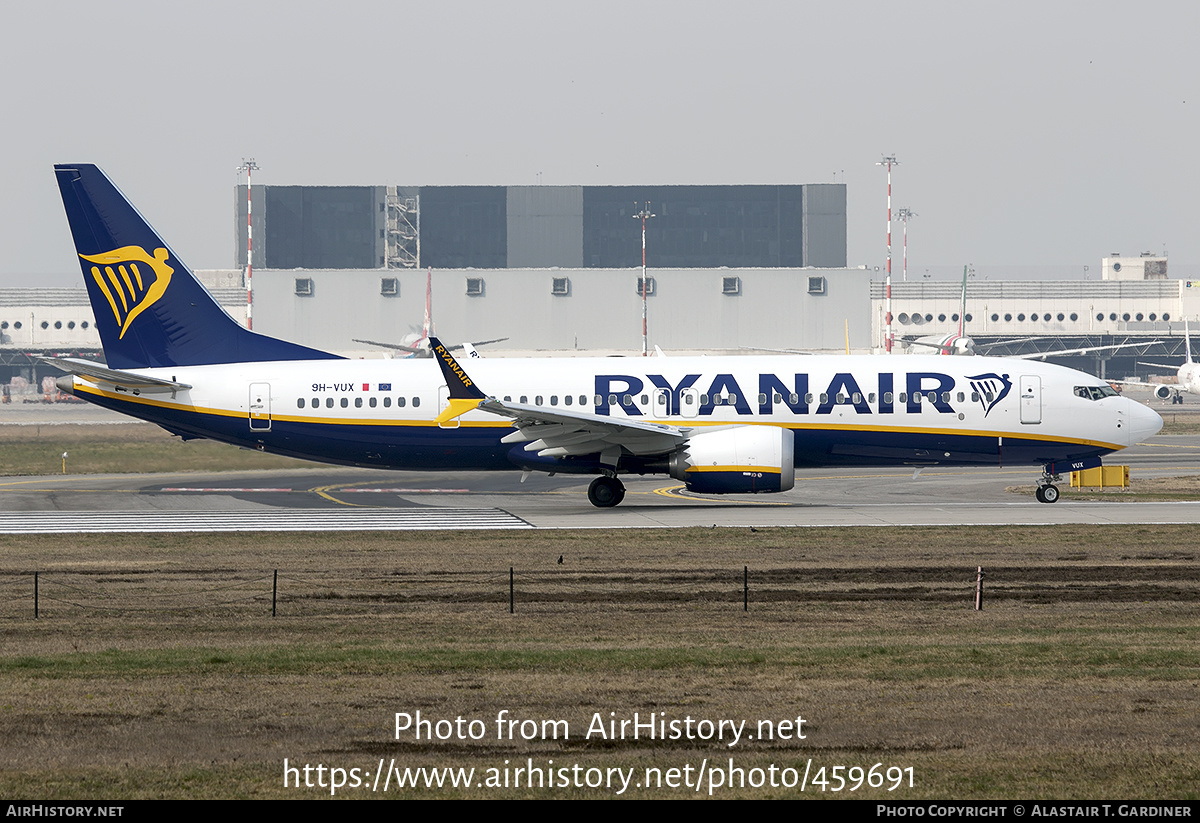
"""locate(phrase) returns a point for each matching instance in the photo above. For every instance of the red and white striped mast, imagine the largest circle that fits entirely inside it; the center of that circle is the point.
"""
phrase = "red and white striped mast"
(249, 166)
(889, 161)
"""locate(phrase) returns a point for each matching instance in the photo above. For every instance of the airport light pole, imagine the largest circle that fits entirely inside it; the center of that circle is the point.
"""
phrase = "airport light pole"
(249, 166)
(889, 161)
(643, 215)
(905, 215)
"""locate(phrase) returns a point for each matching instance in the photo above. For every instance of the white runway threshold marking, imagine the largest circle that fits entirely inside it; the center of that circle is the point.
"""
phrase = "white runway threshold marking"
(285, 520)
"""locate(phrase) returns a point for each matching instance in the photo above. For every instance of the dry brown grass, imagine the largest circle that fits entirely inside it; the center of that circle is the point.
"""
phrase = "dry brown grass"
(1079, 679)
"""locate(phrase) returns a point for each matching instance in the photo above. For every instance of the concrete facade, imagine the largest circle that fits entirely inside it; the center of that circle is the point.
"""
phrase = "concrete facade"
(594, 309)
(1019, 308)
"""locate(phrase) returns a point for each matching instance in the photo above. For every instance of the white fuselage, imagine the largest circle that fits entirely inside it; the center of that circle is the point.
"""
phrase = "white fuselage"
(877, 410)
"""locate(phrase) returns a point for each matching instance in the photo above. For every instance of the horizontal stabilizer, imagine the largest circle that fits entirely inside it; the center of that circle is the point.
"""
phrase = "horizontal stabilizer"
(114, 377)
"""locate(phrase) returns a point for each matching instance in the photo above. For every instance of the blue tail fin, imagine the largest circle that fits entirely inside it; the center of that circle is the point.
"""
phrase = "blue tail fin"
(150, 310)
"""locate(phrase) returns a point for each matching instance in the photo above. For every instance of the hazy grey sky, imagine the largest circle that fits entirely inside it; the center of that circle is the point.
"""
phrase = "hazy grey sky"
(1029, 133)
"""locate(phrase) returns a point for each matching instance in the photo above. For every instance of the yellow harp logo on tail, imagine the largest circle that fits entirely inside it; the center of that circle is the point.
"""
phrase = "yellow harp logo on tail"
(129, 289)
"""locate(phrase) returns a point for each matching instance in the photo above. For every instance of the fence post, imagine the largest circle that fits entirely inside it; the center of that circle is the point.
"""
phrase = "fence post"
(35, 595)
(510, 590)
(274, 591)
(745, 588)
(979, 589)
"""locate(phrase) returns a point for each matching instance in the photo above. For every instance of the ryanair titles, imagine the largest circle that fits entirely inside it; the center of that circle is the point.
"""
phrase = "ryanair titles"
(699, 395)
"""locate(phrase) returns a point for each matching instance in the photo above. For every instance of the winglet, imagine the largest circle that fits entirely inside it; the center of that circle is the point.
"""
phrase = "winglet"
(464, 394)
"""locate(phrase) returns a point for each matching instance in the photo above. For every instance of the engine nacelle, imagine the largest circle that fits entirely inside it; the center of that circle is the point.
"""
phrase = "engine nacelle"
(738, 460)
(1162, 392)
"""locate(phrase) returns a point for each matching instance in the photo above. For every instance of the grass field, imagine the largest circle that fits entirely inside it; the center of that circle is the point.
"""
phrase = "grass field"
(156, 669)
(120, 447)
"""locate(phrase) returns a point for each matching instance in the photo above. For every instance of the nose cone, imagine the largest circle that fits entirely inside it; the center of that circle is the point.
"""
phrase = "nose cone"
(1143, 422)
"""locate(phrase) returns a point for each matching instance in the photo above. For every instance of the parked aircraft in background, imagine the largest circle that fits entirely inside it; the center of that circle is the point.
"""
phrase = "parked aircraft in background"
(1187, 376)
(959, 343)
(417, 345)
(717, 424)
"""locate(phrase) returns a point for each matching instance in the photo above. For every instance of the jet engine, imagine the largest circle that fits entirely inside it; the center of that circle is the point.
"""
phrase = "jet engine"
(737, 460)
(1162, 392)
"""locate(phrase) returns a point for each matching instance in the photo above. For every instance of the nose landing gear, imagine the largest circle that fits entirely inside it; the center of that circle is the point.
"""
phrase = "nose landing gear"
(1047, 492)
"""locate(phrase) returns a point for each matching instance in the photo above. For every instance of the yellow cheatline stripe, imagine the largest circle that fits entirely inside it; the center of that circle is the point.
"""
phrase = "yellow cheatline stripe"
(1015, 435)
(757, 469)
(678, 422)
(138, 400)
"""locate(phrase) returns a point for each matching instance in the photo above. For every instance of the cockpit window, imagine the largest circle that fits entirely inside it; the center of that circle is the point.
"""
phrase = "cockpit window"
(1095, 392)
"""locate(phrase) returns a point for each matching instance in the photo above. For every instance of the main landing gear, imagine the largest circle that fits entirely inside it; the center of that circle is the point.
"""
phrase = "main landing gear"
(606, 492)
(1047, 492)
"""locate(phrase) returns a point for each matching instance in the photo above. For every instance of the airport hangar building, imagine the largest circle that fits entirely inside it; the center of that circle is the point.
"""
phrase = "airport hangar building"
(557, 268)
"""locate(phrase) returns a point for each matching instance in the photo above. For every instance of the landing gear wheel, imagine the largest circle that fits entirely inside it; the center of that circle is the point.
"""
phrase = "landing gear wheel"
(1049, 494)
(1038, 494)
(606, 492)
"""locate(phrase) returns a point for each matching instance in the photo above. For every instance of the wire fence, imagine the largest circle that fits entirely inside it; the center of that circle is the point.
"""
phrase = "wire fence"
(282, 592)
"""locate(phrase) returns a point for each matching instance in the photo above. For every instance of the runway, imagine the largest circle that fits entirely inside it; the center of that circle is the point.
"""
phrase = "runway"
(335, 499)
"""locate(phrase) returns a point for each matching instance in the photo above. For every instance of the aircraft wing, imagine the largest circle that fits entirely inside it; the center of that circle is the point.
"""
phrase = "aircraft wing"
(394, 346)
(421, 351)
(1153, 386)
(1042, 355)
(561, 433)
(939, 346)
(129, 381)
(555, 432)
